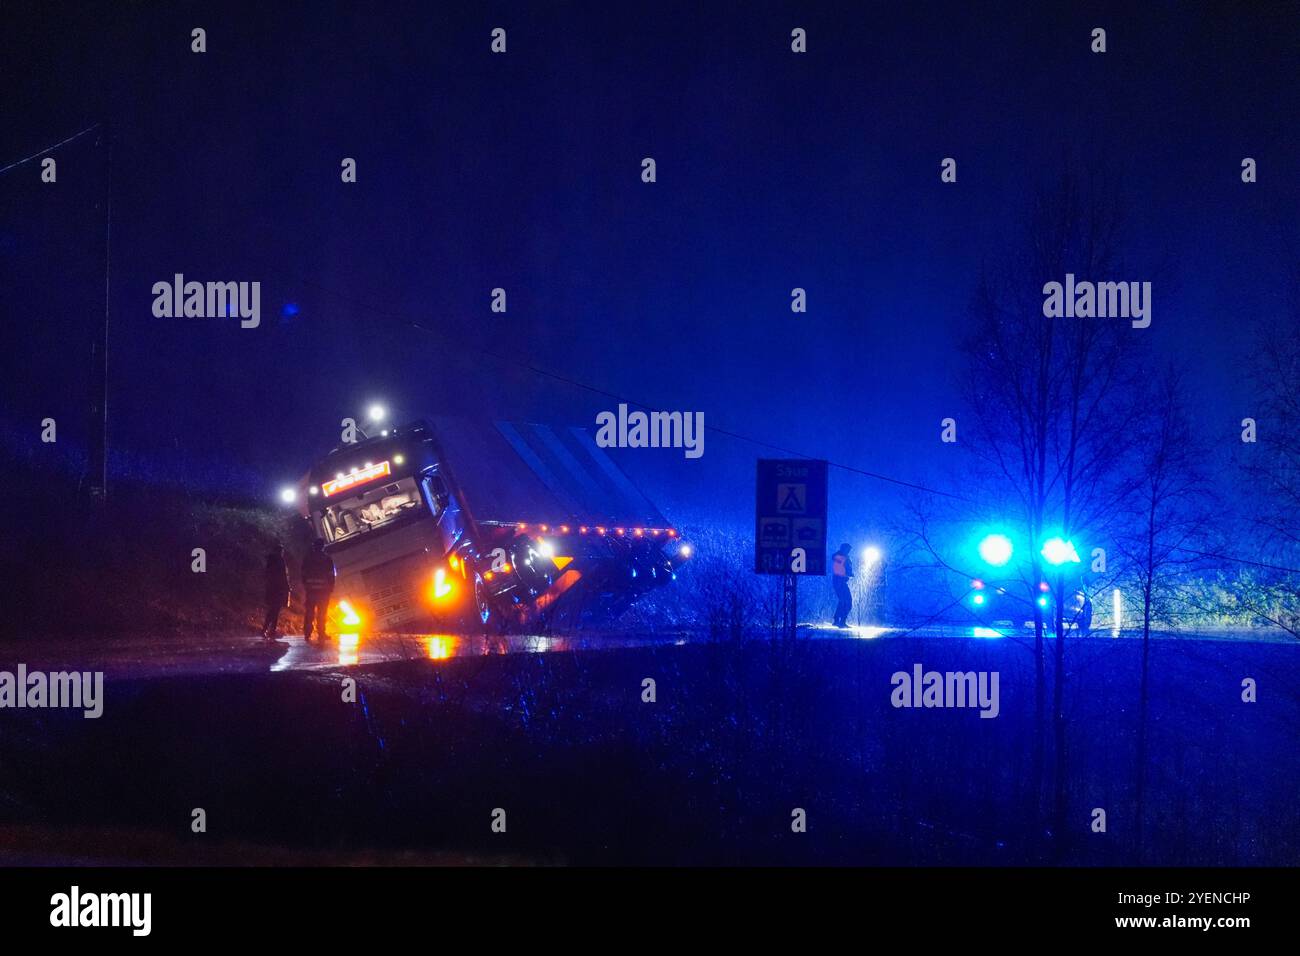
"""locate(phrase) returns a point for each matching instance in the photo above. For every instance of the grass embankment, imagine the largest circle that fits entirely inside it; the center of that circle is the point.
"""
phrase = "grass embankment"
(128, 566)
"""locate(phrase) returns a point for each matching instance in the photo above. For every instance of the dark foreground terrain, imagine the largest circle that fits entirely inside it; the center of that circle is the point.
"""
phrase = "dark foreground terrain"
(740, 734)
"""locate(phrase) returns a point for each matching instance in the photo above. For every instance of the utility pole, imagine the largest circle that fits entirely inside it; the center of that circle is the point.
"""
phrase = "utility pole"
(789, 605)
(97, 457)
(97, 450)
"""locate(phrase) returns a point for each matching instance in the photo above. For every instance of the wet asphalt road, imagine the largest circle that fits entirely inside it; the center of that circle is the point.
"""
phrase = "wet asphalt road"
(144, 656)
(290, 770)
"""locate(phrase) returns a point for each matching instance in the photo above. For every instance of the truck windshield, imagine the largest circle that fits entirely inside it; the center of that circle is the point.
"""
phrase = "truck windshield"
(371, 510)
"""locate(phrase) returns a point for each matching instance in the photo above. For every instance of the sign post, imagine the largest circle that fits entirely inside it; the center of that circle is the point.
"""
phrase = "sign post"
(790, 526)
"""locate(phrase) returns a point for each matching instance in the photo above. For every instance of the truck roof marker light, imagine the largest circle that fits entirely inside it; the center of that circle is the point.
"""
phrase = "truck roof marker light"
(654, 532)
(618, 530)
(639, 531)
(672, 533)
(521, 526)
(582, 530)
(355, 477)
(600, 531)
(564, 529)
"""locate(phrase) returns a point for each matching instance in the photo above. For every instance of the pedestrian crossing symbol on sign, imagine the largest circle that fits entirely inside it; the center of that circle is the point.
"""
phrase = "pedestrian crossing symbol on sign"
(792, 499)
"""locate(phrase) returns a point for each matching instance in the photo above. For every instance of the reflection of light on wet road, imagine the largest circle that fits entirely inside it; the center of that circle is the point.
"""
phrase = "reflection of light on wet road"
(542, 644)
(176, 654)
(439, 647)
(864, 631)
(354, 648)
(348, 649)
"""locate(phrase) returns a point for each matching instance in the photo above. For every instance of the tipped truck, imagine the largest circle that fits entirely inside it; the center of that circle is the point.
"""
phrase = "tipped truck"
(495, 525)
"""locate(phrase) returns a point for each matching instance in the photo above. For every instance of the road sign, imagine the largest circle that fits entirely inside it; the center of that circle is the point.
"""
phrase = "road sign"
(789, 515)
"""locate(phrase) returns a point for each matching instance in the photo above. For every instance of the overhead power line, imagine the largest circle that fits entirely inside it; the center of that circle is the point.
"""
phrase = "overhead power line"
(50, 149)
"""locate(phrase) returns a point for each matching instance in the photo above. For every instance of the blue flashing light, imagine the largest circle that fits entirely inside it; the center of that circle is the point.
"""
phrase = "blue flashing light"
(996, 549)
(1059, 551)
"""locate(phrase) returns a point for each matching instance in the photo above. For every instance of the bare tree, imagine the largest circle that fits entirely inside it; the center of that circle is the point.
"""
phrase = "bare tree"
(1271, 471)
(1049, 400)
(1166, 531)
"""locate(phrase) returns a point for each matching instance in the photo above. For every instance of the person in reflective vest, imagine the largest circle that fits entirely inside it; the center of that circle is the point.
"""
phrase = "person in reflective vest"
(841, 571)
(318, 583)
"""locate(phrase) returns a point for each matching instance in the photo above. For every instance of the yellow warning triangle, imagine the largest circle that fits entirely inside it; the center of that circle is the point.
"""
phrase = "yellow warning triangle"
(562, 563)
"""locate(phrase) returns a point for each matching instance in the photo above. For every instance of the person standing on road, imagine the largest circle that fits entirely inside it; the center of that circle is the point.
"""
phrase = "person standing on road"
(318, 583)
(841, 571)
(275, 590)
(1083, 619)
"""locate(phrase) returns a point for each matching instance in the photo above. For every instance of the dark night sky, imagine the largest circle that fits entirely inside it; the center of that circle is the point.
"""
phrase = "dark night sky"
(522, 171)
